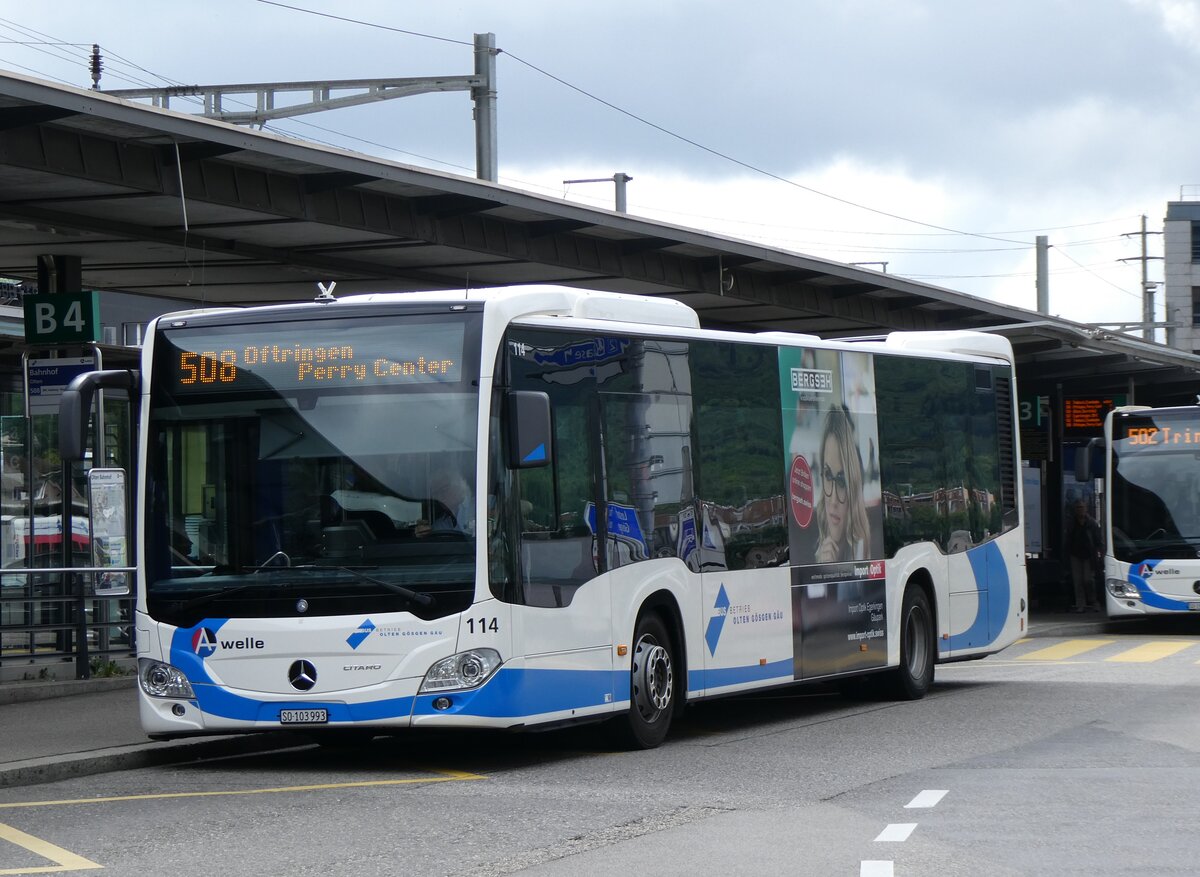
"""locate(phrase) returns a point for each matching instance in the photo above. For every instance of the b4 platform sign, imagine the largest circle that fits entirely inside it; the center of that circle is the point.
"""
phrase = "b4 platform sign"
(62, 318)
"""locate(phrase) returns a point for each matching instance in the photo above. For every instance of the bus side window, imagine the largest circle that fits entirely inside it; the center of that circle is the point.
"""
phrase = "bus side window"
(739, 449)
(648, 464)
(556, 544)
(537, 501)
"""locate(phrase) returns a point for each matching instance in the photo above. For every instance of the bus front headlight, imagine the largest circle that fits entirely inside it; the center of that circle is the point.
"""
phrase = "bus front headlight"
(1121, 589)
(163, 680)
(464, 670)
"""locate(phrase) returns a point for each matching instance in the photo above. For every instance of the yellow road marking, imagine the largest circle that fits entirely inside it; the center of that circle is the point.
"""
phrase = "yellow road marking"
(64, 860)
(1150, 652)
(1069, 649)
(445, 776)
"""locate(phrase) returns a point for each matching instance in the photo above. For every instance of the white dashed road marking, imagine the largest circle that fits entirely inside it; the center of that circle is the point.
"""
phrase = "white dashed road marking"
(897, 832)
(875, 869)
(928, 798)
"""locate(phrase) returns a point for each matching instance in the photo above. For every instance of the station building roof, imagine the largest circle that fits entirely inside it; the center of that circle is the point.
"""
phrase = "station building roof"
(173, 206)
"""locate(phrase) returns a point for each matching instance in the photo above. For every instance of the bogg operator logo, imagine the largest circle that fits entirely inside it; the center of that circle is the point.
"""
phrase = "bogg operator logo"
(364, 630)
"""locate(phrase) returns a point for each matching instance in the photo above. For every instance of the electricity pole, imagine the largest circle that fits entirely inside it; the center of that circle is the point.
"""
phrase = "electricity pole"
(1043, 274)
(1147, 285)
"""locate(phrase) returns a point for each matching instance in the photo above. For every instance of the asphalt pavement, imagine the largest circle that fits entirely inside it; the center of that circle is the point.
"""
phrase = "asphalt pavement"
(52, 731)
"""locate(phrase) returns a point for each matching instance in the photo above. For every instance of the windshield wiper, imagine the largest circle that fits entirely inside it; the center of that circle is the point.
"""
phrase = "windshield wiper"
(417, 597)
(205, 599)
(287, 561)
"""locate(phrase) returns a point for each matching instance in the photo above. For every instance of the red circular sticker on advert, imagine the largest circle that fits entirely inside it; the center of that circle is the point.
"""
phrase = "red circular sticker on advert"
(800, 490)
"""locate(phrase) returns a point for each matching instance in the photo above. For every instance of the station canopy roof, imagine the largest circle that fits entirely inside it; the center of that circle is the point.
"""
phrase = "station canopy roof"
(165, 204)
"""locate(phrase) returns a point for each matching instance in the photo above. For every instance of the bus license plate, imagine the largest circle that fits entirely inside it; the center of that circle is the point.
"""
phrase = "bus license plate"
(1194, 607)
(303, 717)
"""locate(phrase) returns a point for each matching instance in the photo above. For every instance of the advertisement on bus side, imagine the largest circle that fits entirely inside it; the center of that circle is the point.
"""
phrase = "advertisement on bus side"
(835, 520)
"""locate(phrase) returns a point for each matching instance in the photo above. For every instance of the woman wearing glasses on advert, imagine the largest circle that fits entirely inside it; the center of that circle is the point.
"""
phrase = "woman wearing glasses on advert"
(843, 531)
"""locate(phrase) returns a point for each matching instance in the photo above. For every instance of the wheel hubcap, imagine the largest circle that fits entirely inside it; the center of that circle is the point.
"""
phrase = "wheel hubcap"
(653, 678)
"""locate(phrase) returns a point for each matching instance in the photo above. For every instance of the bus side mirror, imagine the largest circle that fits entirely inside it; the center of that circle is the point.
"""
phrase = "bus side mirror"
(529, 429)
(1089, 460)
(75, 407)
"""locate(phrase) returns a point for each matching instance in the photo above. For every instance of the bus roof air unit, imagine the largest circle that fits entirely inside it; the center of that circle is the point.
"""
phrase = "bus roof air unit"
(634, 309)
(962, 342)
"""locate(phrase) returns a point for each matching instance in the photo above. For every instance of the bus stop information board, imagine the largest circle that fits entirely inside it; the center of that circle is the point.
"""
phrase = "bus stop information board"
(47, 378)
(1085, 414)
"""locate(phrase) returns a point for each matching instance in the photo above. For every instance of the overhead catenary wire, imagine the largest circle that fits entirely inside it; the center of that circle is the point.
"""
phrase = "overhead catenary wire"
(77, 54)
(374, 24)
(1102, 279)
(857, 232)
(654, 125)
(1022, 244)
(940, 229)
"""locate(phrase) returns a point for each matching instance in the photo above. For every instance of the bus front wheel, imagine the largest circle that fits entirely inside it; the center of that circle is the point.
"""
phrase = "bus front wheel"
(651, 685)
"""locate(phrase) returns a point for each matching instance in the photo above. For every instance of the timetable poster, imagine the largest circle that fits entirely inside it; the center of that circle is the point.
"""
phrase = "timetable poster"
(835, 518)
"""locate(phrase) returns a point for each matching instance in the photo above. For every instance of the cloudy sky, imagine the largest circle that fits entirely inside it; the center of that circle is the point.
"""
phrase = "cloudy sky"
(938, 136)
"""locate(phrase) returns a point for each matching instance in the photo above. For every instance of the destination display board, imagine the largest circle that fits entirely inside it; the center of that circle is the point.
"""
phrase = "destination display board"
(319, 355)
(1177, 431)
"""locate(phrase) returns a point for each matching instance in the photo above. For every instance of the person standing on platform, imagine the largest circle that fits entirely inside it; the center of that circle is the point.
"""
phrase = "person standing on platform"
(1084, 547)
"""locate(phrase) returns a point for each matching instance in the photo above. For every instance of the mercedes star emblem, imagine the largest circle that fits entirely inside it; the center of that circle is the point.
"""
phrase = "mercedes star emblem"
(302, 675)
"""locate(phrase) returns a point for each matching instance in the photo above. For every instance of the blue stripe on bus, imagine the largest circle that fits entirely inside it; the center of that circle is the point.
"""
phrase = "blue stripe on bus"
(515, 693)
(216, 701)
(1149, 596)
(699, 680)
(993, 591)
(511, 693)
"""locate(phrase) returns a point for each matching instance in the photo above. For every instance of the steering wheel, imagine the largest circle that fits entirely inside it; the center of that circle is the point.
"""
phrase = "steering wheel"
(438, 510)
(444, 535)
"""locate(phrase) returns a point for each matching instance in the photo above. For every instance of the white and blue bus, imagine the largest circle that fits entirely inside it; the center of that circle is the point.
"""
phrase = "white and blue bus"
(525, 508)
(1150, 467)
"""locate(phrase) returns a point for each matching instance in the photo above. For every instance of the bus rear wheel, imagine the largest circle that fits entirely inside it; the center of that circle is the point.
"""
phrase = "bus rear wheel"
(651, 686)
(918, 648)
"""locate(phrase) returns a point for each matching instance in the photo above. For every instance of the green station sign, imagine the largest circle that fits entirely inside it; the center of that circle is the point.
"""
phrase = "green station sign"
(62, 318)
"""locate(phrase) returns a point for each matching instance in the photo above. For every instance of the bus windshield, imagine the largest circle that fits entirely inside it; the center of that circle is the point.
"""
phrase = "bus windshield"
(290, 474)
(1156, 487)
